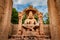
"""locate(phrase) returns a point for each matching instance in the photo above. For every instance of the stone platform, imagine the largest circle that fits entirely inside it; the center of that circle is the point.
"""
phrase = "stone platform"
(22, 37)
(15, 39)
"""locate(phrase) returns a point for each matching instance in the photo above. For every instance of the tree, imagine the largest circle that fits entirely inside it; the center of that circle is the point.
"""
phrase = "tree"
(24, 17)
(36, 17)
(14, 18)
(47, 18)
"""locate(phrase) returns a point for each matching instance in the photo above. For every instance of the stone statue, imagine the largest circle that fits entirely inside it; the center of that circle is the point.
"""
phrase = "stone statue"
(30, 22)
(31, 28)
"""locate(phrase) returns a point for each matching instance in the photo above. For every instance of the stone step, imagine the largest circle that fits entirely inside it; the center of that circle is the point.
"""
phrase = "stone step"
(20, 37)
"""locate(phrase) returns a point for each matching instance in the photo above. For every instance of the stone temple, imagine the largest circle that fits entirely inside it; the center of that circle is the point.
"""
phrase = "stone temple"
(5, 22)
(30, 29)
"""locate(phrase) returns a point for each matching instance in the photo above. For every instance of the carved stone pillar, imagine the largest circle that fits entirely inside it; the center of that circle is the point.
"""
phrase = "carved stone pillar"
(41, 23)
(19, 31)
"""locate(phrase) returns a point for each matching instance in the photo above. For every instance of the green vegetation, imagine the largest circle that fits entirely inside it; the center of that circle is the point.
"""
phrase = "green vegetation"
(47, 18)
(36, 17)
(24, 17)
(14, 18)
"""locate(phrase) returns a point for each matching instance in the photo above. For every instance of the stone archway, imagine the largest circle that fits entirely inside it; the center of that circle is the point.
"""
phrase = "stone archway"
(54, 15)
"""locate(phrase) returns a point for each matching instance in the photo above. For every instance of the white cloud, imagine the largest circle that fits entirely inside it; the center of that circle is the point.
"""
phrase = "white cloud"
(17, 1)
(33, 2)
(44, 2)
(39, 2)
(21, 1)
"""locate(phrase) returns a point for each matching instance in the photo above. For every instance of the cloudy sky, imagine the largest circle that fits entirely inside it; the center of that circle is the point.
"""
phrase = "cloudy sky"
(41, 5)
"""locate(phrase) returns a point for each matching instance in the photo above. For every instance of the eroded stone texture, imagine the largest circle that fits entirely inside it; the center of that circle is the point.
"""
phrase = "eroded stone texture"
(6, 18)
(54, 15)
(1, 13)
(31, 29)
(30, 23)
(53, 7)
(58, 9)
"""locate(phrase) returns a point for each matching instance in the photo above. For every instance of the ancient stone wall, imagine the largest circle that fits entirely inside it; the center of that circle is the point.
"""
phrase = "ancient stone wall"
(47, 29)
(14, 29)
(5, 18)
(53, 8)
(1, 9)
(58, 9)
(1, 13)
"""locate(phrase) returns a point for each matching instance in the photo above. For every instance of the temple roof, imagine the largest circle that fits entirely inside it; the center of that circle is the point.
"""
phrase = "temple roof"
(30, 8)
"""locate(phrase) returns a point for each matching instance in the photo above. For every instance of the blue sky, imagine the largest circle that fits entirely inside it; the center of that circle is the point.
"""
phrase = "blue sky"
(41, 5)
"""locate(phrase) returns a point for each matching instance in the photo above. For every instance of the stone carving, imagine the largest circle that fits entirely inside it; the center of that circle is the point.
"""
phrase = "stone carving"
(31, 29)
(30, 22)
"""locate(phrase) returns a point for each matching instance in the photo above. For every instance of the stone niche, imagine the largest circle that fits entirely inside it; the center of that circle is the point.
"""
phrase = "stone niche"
(31, 29)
